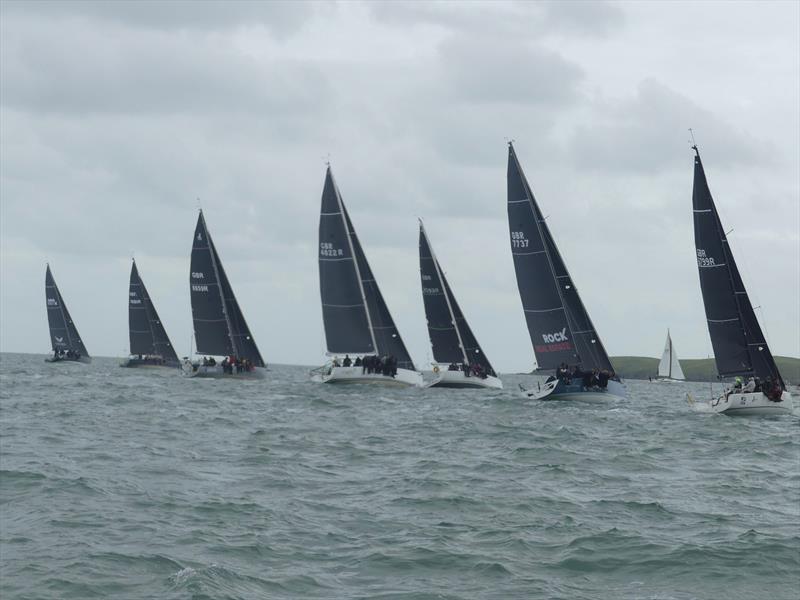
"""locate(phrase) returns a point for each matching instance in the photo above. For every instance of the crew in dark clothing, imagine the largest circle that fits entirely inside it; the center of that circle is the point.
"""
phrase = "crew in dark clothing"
(357, 362)
(603, 379)
(347, 362)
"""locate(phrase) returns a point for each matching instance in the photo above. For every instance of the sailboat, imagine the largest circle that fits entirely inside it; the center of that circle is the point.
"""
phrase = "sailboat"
(220, 329)
(150, 345)
(669, 369)
(739, 345)
(453, 343)
(64, 337)
(357, 321)
(561, 331)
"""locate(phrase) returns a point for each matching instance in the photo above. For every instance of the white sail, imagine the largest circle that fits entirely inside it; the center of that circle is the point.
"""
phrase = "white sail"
(669, 365)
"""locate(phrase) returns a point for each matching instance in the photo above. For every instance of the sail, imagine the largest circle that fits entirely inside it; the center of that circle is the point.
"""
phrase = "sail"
(558, 323)
(147, 334)
(736, 337)
(63, 333)
(451, 338)
(669, 366)
(219, 325)
(344, 312)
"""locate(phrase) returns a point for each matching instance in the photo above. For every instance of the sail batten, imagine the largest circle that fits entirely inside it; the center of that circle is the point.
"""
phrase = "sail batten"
(559, 325)
(732, 323)
(220, 328)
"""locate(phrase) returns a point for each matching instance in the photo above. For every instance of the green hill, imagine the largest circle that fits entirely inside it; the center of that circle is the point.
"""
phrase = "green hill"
(702, 369)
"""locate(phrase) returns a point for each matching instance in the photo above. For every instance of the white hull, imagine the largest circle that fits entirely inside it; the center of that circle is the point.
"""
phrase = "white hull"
(458, 379)
(557, 390)
(753, 403)
(668, 380)
(216, 372)
(404, 377)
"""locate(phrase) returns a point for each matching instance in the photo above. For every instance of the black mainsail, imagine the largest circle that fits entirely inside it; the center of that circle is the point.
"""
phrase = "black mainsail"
(219, 325)
(147, 334)
(558, 323)
(64, 335)
(739, 344)
(451, 338)
(355, 315)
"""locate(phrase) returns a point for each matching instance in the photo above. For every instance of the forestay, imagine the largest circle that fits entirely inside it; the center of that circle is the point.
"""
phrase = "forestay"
(558, 323)
(451, 338)
(147, 334)
(63, 333)
(219, 325)
(736, 337)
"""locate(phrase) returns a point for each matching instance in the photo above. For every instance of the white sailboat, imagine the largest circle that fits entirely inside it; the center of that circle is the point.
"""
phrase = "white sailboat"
(669, 368)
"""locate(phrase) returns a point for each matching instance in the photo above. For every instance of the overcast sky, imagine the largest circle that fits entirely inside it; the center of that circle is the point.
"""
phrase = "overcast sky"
(116, 117)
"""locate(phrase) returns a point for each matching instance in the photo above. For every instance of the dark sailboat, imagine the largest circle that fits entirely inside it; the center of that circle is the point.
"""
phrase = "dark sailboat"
(356, 319)
(64, 337)
(740, 348)
(220, 329)
(562, 334)
(452, 341)
(149, 342)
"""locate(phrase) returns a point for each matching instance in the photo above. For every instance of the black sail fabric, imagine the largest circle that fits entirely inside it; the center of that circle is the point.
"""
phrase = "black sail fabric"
(147, 334)
(63, 333)
(344, 313)
(387, 337)
(219, 325)
(558, 323)
(736, 337)
(444, 338)
(452, 339)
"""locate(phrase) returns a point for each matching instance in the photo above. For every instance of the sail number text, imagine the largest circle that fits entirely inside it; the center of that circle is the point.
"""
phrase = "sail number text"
(518, 239)
(703, 260)
(196, 287)
(327, 249)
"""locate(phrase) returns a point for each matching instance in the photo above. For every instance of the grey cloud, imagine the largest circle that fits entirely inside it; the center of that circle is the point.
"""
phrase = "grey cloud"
(281, 18)
(648, 133)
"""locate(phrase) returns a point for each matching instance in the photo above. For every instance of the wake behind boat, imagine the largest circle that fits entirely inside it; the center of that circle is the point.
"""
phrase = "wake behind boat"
(561, 331)
(220, 329)
(452, 340)
(740, 348)
(669, 368)
(356, 318)
(149, 343)
(64, 337)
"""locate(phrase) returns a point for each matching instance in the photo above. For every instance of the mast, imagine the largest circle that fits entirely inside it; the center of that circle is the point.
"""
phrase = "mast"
(219, 286)
(669, 340)
(444, 291)
(355, 260)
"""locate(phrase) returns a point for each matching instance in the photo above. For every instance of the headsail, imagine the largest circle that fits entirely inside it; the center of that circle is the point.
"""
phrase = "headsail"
(356, 318)
(739, 344)
(63, 333)
(558, 323)
(147, 334)
(451, 338)
(219, 325)
(669, 365)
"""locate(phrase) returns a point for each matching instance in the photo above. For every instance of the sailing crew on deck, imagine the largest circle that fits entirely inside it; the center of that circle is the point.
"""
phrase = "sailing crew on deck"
(750, 386)
(357, 362)
(347, 362)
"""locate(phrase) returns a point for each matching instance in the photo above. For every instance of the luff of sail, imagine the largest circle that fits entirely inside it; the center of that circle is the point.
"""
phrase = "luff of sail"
(558, 323)
(147, 334)
(452, 340)
(669, 366)
(63, 333)
(219, 325)
(346, 281)
(736, 337)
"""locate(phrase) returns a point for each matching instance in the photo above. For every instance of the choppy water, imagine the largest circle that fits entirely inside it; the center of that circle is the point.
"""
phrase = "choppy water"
(120, 483)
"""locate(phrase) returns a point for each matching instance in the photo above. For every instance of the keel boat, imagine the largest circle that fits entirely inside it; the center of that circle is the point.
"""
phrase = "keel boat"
(669, 368)
(64, 337)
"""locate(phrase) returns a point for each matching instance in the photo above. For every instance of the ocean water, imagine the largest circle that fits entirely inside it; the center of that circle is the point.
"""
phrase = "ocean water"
(121, 483)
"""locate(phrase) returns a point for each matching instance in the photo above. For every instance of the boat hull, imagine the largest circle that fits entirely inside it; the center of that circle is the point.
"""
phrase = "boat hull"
(753, 403)
(667, 380)
(135, 363)
(458, 379)
(83, 359)
(195, 371)
(558, 390)
(404, 377)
